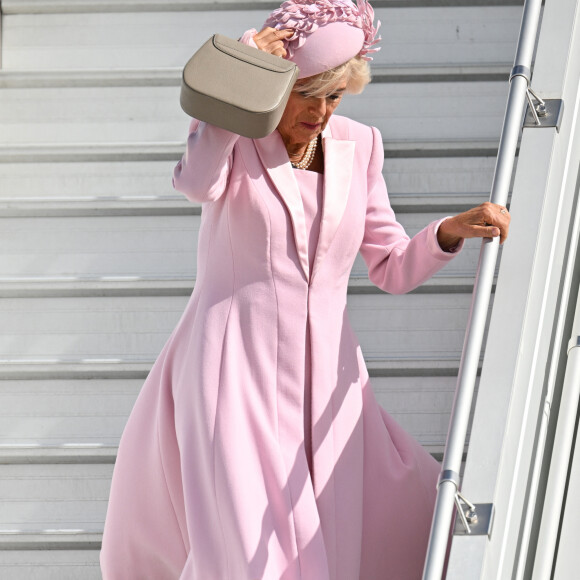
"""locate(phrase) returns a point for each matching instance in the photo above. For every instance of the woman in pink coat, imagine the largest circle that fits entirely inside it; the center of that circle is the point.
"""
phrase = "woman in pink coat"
(256, 449)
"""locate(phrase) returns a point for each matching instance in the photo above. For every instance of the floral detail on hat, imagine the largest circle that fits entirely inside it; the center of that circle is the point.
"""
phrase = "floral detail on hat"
(305, 17)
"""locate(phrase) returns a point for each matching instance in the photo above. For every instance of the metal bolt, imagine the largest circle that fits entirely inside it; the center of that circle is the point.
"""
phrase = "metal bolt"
(541, 110)
(471, 516)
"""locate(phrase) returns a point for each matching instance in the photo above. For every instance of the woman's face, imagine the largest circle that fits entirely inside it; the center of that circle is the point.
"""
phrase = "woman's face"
(306, 117)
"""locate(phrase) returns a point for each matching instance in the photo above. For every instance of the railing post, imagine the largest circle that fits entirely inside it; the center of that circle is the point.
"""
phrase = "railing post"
(449, 484)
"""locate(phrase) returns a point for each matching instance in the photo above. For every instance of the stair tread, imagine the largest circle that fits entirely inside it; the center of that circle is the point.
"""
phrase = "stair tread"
(171, 76)
(111, 328)
(62, 115)
(148, 245)
(156, 205)
(413, 31)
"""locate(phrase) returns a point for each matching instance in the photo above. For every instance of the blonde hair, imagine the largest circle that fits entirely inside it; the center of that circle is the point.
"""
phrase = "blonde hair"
(356, 72)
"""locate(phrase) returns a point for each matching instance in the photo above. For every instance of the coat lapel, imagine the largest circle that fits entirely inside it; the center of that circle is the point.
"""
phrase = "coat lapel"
(274, 157)
(338, 162)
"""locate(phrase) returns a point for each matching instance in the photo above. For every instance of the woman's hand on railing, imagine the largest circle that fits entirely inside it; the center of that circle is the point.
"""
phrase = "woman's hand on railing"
(487, 220)
(272, 40)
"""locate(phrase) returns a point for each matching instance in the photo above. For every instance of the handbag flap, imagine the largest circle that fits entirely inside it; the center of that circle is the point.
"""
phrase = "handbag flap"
(252, 55)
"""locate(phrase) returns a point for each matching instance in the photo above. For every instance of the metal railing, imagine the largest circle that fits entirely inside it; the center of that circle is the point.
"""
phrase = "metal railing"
(449, 481)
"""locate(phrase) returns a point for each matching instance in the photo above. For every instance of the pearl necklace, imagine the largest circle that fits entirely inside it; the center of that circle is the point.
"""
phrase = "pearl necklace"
(308, 156)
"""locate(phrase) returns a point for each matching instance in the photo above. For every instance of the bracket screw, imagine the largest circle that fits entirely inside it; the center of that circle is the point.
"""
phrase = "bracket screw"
(471, 516)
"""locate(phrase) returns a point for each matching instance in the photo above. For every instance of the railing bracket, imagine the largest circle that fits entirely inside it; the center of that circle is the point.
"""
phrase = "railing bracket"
(550, 110)
(547, 113)
(473, 519)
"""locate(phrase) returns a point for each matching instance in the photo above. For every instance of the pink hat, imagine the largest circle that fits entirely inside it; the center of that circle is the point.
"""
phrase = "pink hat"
(343, 30)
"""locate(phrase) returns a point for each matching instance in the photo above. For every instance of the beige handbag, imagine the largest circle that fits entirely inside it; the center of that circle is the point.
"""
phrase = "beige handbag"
(237, 87)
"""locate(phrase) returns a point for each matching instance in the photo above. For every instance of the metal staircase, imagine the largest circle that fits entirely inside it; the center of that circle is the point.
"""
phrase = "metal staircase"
(97, 252)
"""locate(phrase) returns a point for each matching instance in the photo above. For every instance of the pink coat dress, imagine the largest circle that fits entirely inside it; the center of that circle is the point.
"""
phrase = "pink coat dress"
(212, 480)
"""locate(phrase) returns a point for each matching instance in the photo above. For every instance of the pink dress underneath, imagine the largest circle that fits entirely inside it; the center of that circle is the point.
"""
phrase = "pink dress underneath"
(308, 183)
(311, 186)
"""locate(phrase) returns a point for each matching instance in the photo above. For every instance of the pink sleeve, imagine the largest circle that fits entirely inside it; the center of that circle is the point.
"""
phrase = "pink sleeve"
(396, 263)
(248, 37)
(203, 172)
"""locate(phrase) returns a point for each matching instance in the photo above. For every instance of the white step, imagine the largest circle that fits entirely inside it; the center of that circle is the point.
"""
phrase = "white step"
(92, 368)
(50, 539)
(87, 115)
(68, 368)
(422, 405)
(176, 204)
(51, 420)
(81, 421)
(172, 151)
(142, 38)
(88, 180)
(136, 328)
(63, 287)
(50, 565)
(82, 286)
(113, 246)
(92, 152)
(39, 498)
(125, 247)
(150, 181)
(461, 111)
(39, 432)
(437, 176)
(402, 327)
(61, 329)
(65, 452)
(171, 76)
(448, 111)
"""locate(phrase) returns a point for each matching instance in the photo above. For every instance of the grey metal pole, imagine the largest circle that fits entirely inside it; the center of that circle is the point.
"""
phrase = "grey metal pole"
(449, 479)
